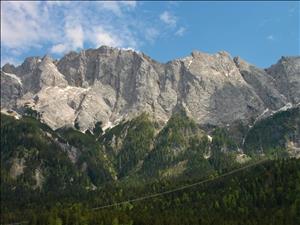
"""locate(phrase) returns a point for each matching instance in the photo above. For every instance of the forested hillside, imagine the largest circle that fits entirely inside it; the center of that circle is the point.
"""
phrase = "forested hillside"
(48, 170)
(268, 193)
(273, 134)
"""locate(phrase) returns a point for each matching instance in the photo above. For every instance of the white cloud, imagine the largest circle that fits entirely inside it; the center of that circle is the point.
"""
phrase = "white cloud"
(130, 49)
(117, 6)
(111, 6)
(10, 60)
(168, 18)
(60, 27)
(111, 36)
(75, 37)
(180, 32)
(57, 3)
(23, 24)
(59, 48)
(100, 36)
(151, 34)
(27, 25)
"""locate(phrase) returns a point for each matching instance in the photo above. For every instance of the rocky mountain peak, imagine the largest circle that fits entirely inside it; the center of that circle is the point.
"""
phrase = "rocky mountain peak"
(108, 84)
(286, 73)
(240, 63)
(29, 65)
(47, 59)
(8, 68)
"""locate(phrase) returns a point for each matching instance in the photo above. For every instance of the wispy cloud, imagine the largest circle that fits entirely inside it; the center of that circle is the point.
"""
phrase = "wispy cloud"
(10, 60)
(151, 34)
(24, 24)
(101, 36)
(171, 22)
(59, 48)
(65, 26)
(58, 27)
(73, 40)
(168, 18)
(180, 32)
(117, 7)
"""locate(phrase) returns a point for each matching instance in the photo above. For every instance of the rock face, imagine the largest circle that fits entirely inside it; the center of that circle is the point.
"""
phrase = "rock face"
(287, 77)
(262, 83)
(109, 84)
(11, 89)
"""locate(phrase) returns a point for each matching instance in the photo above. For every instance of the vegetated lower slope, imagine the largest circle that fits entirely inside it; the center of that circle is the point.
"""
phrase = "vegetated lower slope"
(268, 193)
(142, 151)
(128, 143)
(275, 134)
(33, 157)
(39, 165)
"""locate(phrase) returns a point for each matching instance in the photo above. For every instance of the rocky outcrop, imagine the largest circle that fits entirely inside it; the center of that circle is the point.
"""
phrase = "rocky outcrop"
(109, 84)
(286, 74)
(11, 89)
(263, 84)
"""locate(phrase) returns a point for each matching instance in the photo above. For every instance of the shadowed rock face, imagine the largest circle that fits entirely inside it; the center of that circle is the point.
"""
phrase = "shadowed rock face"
(109, 84)
(11, 89)
(263, 84)
(286, 74)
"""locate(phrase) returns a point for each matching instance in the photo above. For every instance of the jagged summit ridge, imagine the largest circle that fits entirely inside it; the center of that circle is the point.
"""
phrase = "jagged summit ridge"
(109, 84)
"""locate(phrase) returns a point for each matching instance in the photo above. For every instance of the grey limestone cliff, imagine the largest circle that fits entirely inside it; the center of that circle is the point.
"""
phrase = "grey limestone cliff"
(110, 84)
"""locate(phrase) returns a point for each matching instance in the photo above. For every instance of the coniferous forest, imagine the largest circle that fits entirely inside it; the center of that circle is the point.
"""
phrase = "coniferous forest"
(268, 193)
(66, 176)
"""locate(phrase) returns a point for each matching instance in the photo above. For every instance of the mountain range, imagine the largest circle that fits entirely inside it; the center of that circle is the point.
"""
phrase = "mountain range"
(102, 124)
(108, 85)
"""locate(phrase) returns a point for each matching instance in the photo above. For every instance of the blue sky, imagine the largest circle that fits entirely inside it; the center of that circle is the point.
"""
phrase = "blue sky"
(259, 32)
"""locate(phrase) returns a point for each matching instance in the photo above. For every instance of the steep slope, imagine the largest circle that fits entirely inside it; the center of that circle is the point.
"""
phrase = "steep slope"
(128, 143)
(11, 89)
(138, 149)
(35, 157)
(179, 147)
(286, 73)
(263, 84)
(277, 134)
(108, 84)
(42, 165)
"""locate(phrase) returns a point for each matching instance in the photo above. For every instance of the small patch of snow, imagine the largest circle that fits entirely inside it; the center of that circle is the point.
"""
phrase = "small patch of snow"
(189, 63)
(129, 49)
(108, 125)
(286, 107)
(14, 76)
(209, 138)
(10, 112)
(242, 158)
(207, 156)
(261, 115)
(17, 116)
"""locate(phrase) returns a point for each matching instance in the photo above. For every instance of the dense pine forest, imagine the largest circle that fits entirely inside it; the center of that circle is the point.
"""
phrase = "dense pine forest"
(268, 193)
